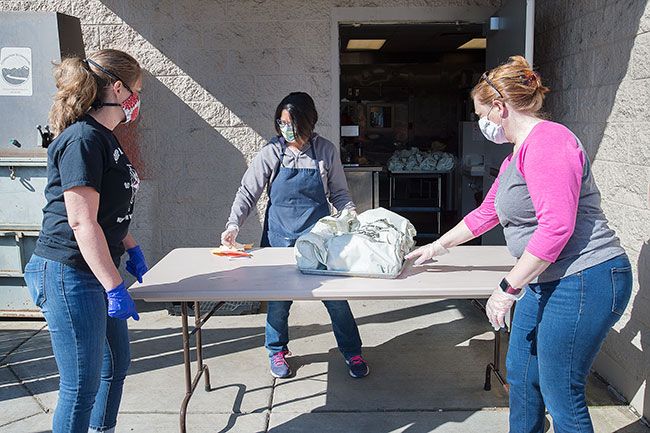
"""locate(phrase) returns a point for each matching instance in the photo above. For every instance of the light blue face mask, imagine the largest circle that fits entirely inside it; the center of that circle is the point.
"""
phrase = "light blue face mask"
(287, 132)
(492, 131)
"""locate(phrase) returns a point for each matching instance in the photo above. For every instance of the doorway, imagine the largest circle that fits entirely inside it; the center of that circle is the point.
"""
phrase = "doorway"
(402, 99)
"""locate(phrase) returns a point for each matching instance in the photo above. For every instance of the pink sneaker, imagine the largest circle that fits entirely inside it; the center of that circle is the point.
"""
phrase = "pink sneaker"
(279, 366)
(358, 367)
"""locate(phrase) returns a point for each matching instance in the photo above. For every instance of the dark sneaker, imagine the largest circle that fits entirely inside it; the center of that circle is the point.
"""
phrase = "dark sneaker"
(358, 366)
(279, 365)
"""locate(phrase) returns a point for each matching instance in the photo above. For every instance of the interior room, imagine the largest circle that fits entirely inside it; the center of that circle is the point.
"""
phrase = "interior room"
(407, 120)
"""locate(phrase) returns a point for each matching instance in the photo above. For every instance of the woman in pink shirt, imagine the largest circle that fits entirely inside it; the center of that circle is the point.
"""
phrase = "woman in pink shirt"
(572, 280)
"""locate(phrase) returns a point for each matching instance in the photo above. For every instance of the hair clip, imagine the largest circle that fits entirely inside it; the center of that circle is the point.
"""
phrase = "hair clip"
(529, 77)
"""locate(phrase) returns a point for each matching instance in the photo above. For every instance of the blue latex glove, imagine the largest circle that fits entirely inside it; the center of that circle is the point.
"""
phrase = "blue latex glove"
(136, 265)
(120, 304)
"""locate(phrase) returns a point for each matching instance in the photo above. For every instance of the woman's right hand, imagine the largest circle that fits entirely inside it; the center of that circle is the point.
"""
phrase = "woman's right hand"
(427, 252)
(120, 303)
(229, 236)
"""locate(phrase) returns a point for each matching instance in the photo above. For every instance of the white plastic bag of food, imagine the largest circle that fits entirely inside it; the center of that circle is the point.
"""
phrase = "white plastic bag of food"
(373, 243)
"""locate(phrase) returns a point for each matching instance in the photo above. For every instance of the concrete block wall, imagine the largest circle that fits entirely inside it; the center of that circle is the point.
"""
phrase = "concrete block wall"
(595, 56)
(215, 71)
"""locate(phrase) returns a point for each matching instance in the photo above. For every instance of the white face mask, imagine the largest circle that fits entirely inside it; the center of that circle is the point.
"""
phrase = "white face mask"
(491, 130)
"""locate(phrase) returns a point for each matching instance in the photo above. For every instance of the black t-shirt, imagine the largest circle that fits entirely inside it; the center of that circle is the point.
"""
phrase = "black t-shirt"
(86, 154)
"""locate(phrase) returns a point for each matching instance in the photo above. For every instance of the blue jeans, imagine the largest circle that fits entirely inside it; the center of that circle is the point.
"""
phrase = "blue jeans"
(557, 330)
(90, 348)
(343, 324)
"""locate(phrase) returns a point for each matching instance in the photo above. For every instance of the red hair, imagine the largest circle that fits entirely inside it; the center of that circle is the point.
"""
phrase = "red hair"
(515, 83)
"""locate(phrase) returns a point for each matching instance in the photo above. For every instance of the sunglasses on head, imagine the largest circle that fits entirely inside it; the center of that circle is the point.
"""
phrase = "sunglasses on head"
(485, 78)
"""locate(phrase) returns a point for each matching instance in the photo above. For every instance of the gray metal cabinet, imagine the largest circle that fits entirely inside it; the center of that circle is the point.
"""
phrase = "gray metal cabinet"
(363, 184)
(29, 43)
(16, 248)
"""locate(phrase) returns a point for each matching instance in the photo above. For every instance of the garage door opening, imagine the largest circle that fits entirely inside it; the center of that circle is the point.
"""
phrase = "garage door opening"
(409, 138)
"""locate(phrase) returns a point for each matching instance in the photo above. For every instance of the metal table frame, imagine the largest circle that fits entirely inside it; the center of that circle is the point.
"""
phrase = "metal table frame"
(202, 369)
(202, 268)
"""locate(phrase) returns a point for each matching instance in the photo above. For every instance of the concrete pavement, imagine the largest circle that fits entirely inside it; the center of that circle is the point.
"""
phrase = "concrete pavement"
(427, 364)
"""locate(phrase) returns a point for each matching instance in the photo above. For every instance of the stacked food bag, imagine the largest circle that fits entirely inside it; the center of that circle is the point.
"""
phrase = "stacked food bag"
(374, 242)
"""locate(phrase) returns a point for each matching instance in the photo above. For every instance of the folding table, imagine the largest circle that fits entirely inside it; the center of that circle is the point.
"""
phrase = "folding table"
(194, 275)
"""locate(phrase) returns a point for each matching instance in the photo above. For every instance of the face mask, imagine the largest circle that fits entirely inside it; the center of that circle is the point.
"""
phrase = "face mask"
(287, 133)
(491, 130)
(131, 107)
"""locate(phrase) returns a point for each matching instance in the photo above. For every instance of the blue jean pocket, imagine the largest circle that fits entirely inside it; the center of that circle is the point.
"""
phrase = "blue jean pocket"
(621, 288)
(35, 279)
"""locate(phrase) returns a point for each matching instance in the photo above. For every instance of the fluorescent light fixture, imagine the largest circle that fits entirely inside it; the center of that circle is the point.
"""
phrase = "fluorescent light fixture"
(474, 44)
(366, 44)
(350, 131)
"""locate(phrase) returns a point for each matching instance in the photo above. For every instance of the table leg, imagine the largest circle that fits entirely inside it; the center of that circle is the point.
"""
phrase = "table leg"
(199, 346)
(188, 367)
(495, 365)
(190, 384)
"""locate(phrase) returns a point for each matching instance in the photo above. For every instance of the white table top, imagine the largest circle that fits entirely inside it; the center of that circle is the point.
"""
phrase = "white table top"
(194, 274)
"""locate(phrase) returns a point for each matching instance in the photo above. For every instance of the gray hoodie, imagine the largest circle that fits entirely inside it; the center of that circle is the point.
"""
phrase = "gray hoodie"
(266, 163)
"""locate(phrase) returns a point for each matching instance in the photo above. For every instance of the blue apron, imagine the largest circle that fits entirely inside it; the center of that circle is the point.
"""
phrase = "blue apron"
(297, 201)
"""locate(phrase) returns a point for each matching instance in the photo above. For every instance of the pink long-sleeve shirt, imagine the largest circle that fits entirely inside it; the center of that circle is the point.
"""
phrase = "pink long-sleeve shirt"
(548, 203)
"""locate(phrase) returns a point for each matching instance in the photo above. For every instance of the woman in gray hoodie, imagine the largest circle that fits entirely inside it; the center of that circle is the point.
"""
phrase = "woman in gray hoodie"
(303, 174)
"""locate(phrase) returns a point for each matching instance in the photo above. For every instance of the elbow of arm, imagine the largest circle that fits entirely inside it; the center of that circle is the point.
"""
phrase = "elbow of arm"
(562, 233)
(81, 224)
(547, 245)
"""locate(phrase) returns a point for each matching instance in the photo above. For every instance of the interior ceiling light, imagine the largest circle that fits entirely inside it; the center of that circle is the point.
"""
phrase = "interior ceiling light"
(366, 44)
(474, 44)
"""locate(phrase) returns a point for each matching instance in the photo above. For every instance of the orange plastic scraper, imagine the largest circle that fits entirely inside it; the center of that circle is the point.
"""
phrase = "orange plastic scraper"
(237, 251)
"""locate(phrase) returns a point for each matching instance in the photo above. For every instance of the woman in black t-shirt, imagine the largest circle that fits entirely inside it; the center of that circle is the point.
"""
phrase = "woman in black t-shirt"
(73, 275)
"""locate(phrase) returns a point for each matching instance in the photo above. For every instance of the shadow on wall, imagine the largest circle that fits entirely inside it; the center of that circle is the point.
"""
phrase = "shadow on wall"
(199, 178)
(634, 336)
(189, 172)
(205, 110)
(585, 53)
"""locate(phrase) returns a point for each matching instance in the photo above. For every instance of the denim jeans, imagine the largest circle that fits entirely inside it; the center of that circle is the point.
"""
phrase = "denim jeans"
(557, 330)
(343, 324)
(90, 348)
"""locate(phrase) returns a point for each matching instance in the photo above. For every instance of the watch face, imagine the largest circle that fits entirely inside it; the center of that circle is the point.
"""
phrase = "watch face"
(506, 287)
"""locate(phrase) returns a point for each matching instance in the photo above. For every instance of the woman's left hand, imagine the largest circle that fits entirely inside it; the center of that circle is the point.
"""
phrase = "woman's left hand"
(136, 265)
(497, 307)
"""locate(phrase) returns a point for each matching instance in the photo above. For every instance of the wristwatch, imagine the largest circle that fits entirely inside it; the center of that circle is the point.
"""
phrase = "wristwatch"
(507, 288)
